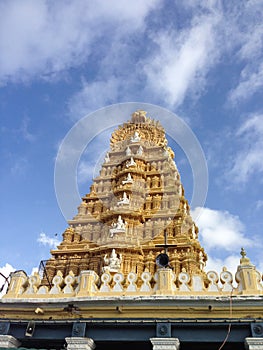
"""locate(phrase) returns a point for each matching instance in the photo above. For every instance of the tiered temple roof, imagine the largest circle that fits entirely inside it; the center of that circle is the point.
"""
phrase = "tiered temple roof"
(136, 199)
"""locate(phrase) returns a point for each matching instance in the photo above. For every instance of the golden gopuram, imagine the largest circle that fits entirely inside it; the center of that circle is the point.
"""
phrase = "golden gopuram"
(130, 270)
(137, 198)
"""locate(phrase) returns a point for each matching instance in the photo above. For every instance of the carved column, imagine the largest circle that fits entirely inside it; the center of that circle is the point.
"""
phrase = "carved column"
(78, 343)
(7, 341)
(165, 343)
(254, 343)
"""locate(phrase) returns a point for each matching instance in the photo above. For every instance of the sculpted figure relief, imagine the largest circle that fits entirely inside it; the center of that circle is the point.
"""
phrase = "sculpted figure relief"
(128, 180)
(136, 137)
(112, 263)
(131, 163)
(118, 227)
(124, 200)
(107, 158)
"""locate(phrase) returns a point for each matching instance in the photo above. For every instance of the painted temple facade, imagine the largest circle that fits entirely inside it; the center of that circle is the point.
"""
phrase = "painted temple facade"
(106, 285)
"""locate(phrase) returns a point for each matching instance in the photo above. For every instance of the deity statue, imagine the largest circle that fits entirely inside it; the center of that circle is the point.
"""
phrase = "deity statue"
(113, 263)
(131, 163)
(128, 180)
(136, 137)
(140, 151)
(124, 199)
(107, 158)
(118, 227)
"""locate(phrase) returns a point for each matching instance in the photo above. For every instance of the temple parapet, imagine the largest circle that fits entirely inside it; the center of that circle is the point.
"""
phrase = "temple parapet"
(248, 281)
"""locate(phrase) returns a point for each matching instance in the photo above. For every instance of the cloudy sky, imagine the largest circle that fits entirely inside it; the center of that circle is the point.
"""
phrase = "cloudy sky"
(61, 60)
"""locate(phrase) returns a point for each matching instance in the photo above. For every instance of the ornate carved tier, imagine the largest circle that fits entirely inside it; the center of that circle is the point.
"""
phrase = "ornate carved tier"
(137, 196)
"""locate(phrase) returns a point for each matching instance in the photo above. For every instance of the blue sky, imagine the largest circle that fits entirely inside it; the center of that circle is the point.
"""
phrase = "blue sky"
(61, 60)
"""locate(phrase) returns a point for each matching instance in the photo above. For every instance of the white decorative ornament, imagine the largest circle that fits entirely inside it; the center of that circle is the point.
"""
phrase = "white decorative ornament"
(213, 279)
(130, 163)
(107, 158)
(128, 180)
(184, 279)
(118, 227)
(226, 279)
(125, 200)
(113, 263)
(136, 137)
(146, 278)
(105, 279)
(128, 151)
(118, 278)
(132, 278)
(140, 151)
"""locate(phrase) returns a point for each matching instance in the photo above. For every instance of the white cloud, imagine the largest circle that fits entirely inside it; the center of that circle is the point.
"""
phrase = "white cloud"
(249, 160)
(183, 59)
(250, 82)
(92, 96)
(42, 38)
(5, 270)
(45, 240)
(221, 230)
(85, 171)
(246, 31)
(259, 204)
(24, 130)
(19, 166)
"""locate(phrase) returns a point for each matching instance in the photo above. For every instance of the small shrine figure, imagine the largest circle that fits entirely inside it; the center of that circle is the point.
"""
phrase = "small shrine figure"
(128, 151)
(140, 151)
(136, 137)
(107, 158)
(128, 180)
(113, 263)
(131, 163)
(124, 200)
(119, 227)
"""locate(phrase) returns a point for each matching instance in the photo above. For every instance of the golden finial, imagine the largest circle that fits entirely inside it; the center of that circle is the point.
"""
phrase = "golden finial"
(243, 253)
(244, 260)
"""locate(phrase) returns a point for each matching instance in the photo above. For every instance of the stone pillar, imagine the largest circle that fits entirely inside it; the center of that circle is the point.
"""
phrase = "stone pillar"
(248, 277)
(254, 343)
(7, 341)
(165, 343)
(165, 282)
(78, 343)
(87, 285)
(15, 288)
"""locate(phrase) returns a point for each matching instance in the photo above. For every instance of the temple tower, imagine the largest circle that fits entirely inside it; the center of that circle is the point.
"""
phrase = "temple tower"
(136, 201)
